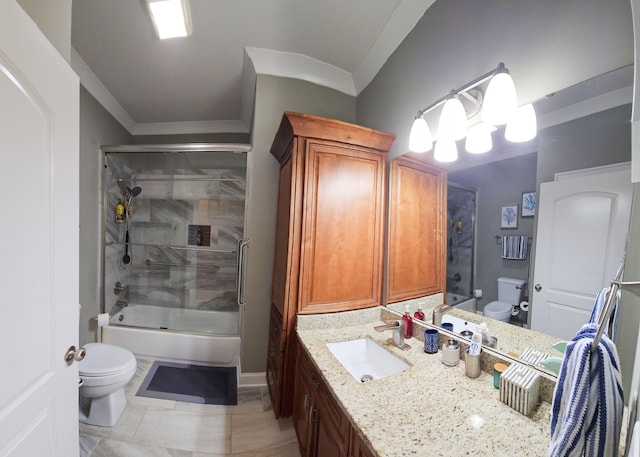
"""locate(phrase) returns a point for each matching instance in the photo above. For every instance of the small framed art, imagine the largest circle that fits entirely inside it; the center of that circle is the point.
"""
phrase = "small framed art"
(529, 203)
(509, 217)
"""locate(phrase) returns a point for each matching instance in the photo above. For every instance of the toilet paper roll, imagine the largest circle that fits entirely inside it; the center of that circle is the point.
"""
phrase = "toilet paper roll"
(103, 319)
(477, 293)
(524, 305)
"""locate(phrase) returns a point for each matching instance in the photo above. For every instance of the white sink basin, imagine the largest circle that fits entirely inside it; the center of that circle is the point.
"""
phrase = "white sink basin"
(459, 325)
(364, 359)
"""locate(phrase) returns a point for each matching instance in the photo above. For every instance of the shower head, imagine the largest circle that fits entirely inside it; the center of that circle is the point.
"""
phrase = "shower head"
(134, 192)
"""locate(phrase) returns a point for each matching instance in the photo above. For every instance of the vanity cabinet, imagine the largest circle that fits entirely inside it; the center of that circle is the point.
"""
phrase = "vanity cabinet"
(322, 428)
(417, 229)
(358, 448)
(329, 231)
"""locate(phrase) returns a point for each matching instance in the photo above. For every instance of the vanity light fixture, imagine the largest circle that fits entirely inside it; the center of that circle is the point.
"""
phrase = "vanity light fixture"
(498, 106)
(171, 18)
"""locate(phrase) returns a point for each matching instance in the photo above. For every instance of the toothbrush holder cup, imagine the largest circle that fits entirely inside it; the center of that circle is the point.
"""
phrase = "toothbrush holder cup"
(431, 341)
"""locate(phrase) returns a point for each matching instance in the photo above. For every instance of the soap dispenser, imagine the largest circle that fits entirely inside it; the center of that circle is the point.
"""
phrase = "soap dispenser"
(475, 346)
(419, 314)
(408, 323)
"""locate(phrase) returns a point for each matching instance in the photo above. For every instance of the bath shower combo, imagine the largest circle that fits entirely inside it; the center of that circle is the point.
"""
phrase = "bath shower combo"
(173, 269)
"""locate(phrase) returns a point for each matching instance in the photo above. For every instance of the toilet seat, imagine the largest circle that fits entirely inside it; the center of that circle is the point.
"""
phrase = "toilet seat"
(498, 310)
(105, 361)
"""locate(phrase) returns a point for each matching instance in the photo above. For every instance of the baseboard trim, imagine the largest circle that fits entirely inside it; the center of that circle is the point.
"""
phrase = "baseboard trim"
(252, 379)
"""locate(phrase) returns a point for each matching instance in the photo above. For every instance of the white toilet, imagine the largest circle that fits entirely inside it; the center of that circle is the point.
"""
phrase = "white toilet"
(104, 372)
(510, 293)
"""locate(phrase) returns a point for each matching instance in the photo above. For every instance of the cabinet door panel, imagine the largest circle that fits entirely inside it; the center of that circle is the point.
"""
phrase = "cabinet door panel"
(417, 222)
(342, 232)
(303, 402)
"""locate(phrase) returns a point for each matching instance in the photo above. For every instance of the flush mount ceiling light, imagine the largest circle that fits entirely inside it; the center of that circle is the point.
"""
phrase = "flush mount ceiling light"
(171, 18)
(499, 107)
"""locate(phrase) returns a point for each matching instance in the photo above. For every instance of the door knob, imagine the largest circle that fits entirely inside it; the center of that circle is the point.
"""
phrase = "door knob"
(538, 287)
(74, 355)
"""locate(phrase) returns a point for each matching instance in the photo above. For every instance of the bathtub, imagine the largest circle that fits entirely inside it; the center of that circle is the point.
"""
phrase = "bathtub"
(209, 337)
(461, 302)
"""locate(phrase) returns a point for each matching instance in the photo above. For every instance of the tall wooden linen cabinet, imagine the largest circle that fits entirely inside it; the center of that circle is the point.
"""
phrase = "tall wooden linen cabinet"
(329, 232)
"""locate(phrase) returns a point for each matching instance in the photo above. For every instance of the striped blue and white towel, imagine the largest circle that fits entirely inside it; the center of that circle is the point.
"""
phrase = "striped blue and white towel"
(514, 247)
(588, 399)
(611, 327)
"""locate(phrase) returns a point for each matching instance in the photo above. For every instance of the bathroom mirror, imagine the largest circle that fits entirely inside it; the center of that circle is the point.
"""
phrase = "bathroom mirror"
(513, 170)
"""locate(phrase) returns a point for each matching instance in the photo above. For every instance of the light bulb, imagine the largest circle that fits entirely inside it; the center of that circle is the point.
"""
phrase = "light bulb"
(523, 125)
(479, 138)
(500, 101)
(453, 120)
(420, 139)
(445, 150)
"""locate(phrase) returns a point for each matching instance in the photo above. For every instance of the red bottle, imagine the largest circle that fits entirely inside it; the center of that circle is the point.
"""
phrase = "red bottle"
(419, 314)
(408, 323)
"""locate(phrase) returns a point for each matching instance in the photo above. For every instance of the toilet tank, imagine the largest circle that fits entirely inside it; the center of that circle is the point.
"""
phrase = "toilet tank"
(510, 290)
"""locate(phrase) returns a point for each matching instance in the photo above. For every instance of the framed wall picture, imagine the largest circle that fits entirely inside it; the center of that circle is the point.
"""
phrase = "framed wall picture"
(509, 217)
(529, 203)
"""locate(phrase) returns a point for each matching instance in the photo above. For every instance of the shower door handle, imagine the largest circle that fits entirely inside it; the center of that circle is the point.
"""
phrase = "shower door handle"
(242, 250)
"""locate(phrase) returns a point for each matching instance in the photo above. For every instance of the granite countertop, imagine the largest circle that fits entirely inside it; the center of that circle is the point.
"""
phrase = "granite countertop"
(429, 409)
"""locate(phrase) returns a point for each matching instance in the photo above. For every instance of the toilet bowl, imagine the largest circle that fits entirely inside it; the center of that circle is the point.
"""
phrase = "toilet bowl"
(104, 372)
(498, 310)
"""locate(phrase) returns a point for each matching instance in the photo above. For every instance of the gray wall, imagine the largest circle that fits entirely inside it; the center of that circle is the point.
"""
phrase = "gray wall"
(53, 18)
(97, 128)
(274, 95)
(599, 139)
(498, 184)
(546, 44)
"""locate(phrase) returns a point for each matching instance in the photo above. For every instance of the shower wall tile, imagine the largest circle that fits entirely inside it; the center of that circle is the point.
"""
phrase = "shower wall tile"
(160, 218)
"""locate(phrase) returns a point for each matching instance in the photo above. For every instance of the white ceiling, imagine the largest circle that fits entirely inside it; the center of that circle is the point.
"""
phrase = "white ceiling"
(196, 83)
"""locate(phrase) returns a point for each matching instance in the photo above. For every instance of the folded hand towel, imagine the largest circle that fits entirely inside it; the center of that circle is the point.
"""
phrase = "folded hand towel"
(588, 399)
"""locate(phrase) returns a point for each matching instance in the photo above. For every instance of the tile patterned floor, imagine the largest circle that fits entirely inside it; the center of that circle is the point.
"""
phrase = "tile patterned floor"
(152, 427)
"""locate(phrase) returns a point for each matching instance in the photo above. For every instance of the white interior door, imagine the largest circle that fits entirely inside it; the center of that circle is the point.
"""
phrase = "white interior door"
(581, 238)
(39, 110)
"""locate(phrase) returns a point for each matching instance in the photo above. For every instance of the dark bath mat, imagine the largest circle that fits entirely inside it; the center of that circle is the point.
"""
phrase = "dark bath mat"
(191, 383)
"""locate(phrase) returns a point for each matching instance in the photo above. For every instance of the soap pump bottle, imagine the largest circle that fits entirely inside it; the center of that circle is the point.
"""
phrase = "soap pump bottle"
(476, 343)
(419, 314)
(408, 323)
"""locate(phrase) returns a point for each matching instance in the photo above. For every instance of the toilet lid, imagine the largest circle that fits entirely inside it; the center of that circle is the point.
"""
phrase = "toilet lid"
(104, 359)
(497, 307)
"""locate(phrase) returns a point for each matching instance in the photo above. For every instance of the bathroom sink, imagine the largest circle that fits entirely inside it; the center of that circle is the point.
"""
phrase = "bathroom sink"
(459, 325)
(365, 360)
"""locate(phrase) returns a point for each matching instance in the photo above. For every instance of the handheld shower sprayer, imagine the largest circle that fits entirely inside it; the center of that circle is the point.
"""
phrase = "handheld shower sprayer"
(126, 258)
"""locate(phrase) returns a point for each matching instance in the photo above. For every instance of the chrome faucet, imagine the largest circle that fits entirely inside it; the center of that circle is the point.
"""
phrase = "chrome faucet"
(397, 333)
(438, 312)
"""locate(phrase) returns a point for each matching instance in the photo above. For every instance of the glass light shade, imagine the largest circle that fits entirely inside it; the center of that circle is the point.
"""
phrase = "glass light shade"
(453, 120)
(171, 18)
(500, 100)
(445, 150)
(479, 138)
(420, 139)
(523, 125)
